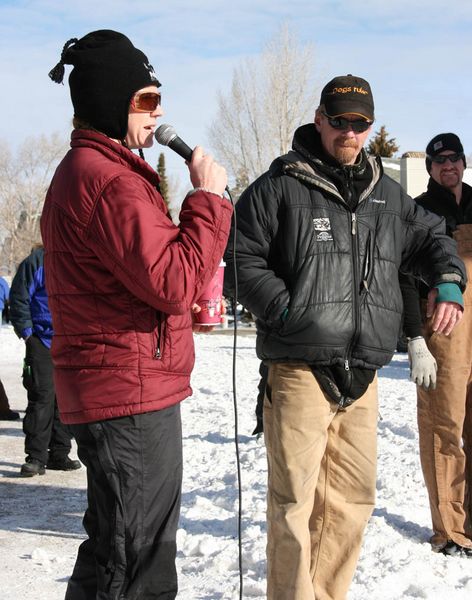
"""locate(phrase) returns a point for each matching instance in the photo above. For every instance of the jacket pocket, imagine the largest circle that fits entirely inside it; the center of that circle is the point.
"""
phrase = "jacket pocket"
(27, 377)
(367, 269)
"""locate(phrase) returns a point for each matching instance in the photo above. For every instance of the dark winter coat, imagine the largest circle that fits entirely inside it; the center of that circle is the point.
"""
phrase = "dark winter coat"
(29, 309)
(301, 246)
(121, 280)
(442, 202)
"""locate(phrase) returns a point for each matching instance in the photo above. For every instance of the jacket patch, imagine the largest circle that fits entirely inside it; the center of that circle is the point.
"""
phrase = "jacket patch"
(322, 227)
(377, 201)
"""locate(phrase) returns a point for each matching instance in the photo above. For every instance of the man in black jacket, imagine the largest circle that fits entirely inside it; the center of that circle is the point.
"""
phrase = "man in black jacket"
(321, 238)
(445, 399)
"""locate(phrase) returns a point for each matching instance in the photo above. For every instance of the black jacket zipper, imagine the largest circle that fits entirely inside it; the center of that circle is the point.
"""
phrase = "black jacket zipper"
(355, 291)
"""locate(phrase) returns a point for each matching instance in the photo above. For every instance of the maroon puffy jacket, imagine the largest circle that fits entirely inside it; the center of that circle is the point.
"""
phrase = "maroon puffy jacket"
(121, 279)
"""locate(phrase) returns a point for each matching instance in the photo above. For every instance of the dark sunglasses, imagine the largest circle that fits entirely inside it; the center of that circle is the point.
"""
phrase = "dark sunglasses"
(358, 126)
(440, 159)
(146, 102)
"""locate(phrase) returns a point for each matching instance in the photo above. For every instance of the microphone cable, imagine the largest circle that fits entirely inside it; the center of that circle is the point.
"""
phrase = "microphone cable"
(167, 136)
(235, 404)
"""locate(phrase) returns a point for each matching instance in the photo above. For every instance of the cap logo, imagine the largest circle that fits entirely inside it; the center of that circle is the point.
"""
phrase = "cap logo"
(150, 70)
(149, 67)
(438, 145)
(349, 89)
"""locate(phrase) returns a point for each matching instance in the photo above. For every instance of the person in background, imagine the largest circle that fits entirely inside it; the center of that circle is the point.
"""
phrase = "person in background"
(122, 281)
(441, 366)
(4, 295)
(321, 238)
(6, 413)
(47, 440)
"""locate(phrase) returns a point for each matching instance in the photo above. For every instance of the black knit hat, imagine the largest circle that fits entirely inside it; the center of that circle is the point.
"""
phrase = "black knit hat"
(441, 142)
(108, 71)
(348, 94)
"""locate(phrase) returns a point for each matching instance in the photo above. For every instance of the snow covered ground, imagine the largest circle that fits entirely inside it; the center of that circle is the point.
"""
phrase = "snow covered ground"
(40, 518)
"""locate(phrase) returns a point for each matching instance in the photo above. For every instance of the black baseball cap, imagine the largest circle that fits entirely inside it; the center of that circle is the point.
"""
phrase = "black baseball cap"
(348, 94)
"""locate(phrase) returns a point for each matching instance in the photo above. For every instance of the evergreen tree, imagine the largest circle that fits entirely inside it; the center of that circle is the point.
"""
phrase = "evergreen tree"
(240, 184)
(380, 145)
(161, 171)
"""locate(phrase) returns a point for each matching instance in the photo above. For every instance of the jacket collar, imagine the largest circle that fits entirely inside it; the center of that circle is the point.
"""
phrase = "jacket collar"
(87, 138)
(309, 162)
(307, 141)
(441, 194)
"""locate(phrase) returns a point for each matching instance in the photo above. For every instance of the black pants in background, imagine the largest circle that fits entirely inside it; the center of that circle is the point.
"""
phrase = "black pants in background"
(134, 476)
(4, 404)
(41, 425)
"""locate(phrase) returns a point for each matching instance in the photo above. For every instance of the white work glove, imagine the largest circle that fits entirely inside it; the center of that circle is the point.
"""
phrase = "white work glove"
(423, 366)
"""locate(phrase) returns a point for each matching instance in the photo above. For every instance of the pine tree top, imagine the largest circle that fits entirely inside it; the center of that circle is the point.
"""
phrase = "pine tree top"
(380, 145)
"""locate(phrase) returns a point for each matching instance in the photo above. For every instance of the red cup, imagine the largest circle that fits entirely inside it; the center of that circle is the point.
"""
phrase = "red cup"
(211, 300)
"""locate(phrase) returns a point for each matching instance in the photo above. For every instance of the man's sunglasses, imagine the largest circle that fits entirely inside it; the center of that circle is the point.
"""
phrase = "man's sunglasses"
(440, 159)
(146, 102)
(358, 126)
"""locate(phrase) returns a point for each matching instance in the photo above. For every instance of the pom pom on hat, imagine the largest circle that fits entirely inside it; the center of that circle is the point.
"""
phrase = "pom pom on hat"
(57, 72)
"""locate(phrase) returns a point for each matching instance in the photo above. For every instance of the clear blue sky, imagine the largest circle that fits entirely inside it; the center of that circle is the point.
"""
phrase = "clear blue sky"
(415, 54)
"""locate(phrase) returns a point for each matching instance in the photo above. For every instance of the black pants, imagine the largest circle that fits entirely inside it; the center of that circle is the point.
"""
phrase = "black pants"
(6, 314)
(134, 476)
(4, 404)
(41, 425)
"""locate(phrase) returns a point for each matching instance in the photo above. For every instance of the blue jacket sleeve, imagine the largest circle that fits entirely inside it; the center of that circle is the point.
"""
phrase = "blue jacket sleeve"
(21, 292)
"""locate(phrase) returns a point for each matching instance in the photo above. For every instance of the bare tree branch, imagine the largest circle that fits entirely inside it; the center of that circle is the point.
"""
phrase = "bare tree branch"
(269, 98)
(24, 179)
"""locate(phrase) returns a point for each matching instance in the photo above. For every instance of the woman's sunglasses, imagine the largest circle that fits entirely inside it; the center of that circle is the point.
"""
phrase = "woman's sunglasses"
(146, 102)
(358, 126)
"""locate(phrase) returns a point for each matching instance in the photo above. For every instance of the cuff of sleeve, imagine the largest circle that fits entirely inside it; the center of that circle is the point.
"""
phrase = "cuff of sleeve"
(202, 189)
(449, 292)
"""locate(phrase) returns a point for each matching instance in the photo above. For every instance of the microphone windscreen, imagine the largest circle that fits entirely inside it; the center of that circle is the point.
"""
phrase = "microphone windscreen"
(164, 134)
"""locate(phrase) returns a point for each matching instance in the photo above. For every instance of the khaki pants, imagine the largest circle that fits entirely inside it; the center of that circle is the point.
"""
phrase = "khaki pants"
(445, 421)
(321, 484)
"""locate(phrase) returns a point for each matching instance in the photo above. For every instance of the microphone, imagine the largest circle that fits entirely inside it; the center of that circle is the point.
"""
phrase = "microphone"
(167, 136)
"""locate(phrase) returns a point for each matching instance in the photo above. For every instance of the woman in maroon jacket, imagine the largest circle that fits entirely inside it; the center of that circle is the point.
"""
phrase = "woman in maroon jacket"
(122, 280)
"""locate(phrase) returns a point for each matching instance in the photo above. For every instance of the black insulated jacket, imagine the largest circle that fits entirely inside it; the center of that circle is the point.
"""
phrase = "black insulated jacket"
(331, 260)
